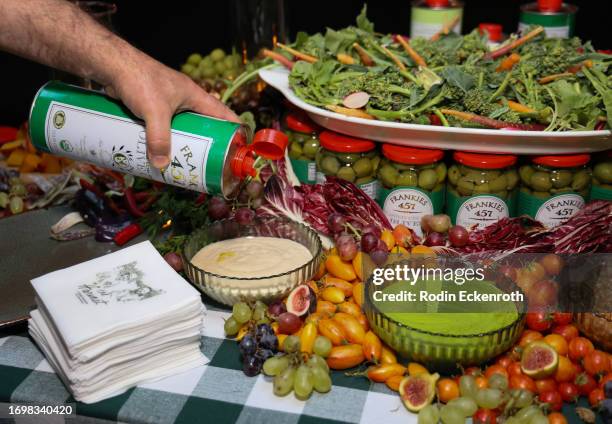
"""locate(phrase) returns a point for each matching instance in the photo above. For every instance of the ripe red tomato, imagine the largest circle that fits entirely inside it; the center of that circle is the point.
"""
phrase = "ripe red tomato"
(472, 371)
(595, 397)
(562, 318)
(596, 363)
(514, 369)
(553, 399)
(569, 392)
(504, 361)
(605, 379)
(546, 385)
(585, 384)
(556, 418)
(484, 416)
(543, 293)
(508, 272)
(579, 348)
(538, 321)
(568, 331)
(529, 336)
(496, 369)
(523, 382)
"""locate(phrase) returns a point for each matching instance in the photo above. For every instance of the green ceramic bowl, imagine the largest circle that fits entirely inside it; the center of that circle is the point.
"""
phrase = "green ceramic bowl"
(437, 350)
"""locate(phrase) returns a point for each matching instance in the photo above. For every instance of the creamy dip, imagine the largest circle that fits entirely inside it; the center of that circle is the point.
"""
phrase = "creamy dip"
(251, 257)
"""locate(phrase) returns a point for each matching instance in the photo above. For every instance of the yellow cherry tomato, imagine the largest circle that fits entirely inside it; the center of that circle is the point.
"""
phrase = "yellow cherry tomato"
(339, 268)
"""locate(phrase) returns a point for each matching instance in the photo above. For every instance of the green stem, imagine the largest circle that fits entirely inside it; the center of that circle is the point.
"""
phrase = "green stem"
(408, 75)
(241, 80)
(399, 90)
(480, 79)
(501, 87)
(440, 115)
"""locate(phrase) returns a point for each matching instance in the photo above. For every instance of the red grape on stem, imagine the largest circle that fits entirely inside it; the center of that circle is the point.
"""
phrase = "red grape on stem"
(458, 236)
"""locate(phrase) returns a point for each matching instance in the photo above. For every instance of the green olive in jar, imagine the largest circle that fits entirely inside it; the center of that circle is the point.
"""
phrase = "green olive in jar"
(388, 175)
(441, 171)
(428, 178)
(346, 173)
(561, 178)
(540, 181)
(581, 180)
(454, 174)
(525, 172)
(330, 165)
(407, 178)
(363, 167)
(603, 172)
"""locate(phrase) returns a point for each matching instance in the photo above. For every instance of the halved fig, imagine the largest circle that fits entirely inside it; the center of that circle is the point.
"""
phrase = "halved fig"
(298, 301)
(539, 360)
(418, 391)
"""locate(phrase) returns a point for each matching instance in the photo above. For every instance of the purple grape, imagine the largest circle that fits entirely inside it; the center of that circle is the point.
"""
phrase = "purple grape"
(218, 208)
(247, 346)
(262, 330)
(371, 229)
(458, 236)
(379, 257)
(435, 239)
(255, 203)
(347, 247)
(264, 353)
(369, 242)
(336, 222)
(381, 245)
(244, 216)
(243, 197)
(174, 260)
(356, 225)
(252, 366)
(275, 309)
(268, 341)
(254, 189)
(216, 230)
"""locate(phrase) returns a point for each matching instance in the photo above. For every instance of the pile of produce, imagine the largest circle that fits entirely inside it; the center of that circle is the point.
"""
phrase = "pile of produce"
(529, 82)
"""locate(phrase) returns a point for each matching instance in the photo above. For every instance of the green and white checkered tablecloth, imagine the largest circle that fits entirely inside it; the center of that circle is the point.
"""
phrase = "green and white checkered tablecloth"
(215, 393)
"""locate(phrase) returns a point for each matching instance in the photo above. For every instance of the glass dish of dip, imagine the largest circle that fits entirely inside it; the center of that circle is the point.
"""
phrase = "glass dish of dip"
(231, 262)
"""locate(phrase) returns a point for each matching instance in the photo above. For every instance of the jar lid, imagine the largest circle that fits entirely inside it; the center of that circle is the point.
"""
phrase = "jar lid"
(343, 143)
(437, 3)
(7, 134)
(410, 155)
(550, 6)
(267, 143)
(300, 123)
(479, 160)
(563, 161)
(493, 31)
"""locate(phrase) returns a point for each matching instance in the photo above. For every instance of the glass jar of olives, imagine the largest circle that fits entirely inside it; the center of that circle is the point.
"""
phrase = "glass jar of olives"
(553, 188)
(412, 184)
(303, 146)
(602, 177)
(481, 188)
(352, 159)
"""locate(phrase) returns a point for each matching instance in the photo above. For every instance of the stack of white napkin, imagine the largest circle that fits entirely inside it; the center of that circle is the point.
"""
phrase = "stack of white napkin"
(117, 321)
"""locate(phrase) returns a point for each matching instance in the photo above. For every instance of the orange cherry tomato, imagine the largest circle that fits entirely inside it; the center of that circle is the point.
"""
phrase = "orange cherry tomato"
(394, 382)
(363, 320)
(596, 397)
(333, 331)
(558, 342)
(482, 382)
(504, 361)
(326, 308)
(387, 356)
(402, 236)
(314, 317)
(553, 264)
(448, 389)
(596, 363)
(358, 293)
(345, 286)
(381, 373)
(281, 339)
(353, 330)
(415, 368)
(332, 294)
(546, 385)
(496, 369)
(320, 271)
(522, 382)
(568, 331)
(345, 356)
(529, 336)
(339, 268)
(358, 265)
(579, 348)
(350, 308)
(556, 418)
(372, 348)
(514, 369)
(387, 237)
(566, 371)
(308, 336)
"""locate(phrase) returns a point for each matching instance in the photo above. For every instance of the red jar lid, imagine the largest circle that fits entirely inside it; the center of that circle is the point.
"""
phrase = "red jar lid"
(300, 123)
(479, 160)
(267, 143)
(343, 143)
(550, 6)
(410, 155)
(493, 31)
(437, 3)
(7, 134)
(564, 161)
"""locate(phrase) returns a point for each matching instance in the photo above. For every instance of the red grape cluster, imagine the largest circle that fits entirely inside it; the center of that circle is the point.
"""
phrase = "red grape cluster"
(350, 237)
(249, 199)
(438, 230)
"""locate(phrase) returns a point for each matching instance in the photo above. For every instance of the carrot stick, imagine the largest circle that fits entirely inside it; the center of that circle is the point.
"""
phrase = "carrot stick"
(299, 55)
(355, 113)
(446, 28)
(363, 55)
(553, 77)
(489, 122)
(393, 58)
(513, 45)
(508, 62)
(411, 52)
(520, 108)
(279, 58)
(345, 59)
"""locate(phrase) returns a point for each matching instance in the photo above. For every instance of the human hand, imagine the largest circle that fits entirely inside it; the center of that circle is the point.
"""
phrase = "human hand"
(154, 93)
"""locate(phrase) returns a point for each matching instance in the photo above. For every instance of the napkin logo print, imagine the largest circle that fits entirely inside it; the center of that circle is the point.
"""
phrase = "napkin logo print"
(122, 284)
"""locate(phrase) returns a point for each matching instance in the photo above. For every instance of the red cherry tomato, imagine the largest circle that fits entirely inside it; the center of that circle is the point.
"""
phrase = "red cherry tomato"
(568, 331)
(514, 369)
(585, 384)
(484, 416)
(522, 382)
(546, 385)
(553, 399)
(562, 318)
(569, 392)
(596, 397)
(508, 272)
(496, 369)
(529, 336)
(579, 347)
(596, 363)
(474, 371)
(504, 361)
(538, 321)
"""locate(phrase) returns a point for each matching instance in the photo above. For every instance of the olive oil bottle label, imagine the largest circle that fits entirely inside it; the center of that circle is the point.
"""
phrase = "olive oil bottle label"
(550, 211)
(305, 170)
(407, 205)
(120, 144)
(481, 210)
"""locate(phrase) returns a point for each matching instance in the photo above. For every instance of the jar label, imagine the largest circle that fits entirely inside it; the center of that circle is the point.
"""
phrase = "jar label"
(407, 205)
(480, 210)
(601, 193)
(305, 170)
(320, 177)
(371, 189)
(551, 211)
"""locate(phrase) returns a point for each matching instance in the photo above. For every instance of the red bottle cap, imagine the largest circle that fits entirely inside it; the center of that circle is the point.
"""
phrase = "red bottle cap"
(493, 31)
(343, 143)
(479, 160)
(267, 143)
(551, 6)
(300, 123)
(437, 3)
(562, 161)
(7, 134)
(410, 155)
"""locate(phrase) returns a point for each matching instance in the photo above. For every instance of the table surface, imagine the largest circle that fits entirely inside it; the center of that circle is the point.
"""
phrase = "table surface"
(218, 392)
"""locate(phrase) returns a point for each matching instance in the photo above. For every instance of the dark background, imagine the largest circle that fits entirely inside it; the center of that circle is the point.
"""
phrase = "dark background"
(170, 31)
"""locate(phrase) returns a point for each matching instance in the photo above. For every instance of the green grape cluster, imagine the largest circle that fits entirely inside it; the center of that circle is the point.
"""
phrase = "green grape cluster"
(302, 373)
(217, 64)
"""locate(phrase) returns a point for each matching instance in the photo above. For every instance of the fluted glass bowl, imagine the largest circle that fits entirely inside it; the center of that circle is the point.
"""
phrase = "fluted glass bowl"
(229, 290)
(441, 350)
